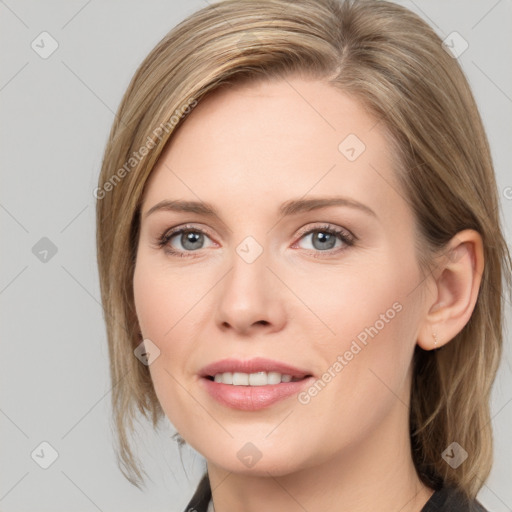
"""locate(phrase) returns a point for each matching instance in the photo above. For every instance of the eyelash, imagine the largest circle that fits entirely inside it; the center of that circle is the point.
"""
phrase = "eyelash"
(342, 234)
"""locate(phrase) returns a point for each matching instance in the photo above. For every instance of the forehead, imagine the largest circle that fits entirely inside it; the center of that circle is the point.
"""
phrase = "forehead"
(269, 141)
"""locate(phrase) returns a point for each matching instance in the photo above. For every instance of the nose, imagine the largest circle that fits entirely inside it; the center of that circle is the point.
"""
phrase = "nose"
(250, 298)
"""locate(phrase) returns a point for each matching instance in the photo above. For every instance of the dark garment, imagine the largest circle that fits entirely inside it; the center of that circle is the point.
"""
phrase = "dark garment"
(447, 499)
(202, 496)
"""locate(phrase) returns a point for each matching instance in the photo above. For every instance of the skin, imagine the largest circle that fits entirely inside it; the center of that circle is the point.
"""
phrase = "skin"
(246, 150)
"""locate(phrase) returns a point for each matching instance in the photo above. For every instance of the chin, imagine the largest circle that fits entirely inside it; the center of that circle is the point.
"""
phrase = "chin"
(251, 458)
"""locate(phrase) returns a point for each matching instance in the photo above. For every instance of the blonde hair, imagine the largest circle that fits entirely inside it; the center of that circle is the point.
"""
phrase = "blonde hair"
(393, 63)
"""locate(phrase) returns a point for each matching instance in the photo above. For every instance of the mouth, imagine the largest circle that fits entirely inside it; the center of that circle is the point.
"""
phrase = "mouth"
(254, 384)
(253, 372)
(254, 379)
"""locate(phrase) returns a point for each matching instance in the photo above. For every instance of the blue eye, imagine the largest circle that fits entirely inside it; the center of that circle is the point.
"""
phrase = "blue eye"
(191, 239)
(323, 239)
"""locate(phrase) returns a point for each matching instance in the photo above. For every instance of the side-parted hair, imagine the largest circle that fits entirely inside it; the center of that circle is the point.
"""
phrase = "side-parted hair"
(394, 64)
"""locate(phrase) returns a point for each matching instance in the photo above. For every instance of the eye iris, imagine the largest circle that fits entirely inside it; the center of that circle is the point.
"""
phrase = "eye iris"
(192, 240)
(193, 237)
(324, 238)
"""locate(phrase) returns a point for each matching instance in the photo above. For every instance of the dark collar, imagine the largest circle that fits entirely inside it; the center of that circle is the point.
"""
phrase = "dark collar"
(447, 499)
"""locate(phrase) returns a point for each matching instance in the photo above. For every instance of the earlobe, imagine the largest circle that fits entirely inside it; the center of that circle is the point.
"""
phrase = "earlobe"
(456, 281)
(436, 339)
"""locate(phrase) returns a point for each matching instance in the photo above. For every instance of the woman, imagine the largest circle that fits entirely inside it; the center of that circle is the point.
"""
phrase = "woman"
(263, 148)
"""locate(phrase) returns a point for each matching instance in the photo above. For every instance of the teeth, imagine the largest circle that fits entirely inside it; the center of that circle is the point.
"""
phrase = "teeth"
(240, 379)
(225, 378)
(251, 379)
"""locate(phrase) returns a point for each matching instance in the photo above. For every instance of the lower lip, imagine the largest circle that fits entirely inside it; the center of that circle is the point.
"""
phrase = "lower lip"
(253, 398)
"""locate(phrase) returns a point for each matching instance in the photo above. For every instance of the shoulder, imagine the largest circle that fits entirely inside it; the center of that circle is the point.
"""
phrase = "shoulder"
(450, 499)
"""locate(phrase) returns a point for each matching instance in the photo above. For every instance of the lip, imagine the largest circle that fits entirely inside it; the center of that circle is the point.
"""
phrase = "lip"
(257, 364)
(252, 398)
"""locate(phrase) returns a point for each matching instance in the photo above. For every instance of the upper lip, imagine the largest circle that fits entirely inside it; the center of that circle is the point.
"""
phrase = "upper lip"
(254, 365)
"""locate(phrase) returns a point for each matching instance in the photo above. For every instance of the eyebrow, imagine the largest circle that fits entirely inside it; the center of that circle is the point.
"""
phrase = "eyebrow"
(292, 207)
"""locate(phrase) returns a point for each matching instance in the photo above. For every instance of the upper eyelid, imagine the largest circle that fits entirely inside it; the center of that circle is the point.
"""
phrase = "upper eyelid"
(303, 230)
(179, 229)
(326, 226)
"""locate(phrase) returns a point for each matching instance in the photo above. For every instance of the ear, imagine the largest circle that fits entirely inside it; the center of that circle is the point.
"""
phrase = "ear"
(456, 281)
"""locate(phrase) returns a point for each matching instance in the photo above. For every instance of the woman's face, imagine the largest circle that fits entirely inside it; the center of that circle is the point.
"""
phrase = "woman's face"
(306, 267)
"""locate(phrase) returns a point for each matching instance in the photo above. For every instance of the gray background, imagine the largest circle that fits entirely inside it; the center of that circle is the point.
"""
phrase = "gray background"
(56, 115)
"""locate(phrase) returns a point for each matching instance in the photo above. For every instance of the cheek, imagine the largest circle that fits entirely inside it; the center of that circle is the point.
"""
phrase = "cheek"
(373, 318)
(164, 297)
(359, 299)
(148, 298)
(165, 302)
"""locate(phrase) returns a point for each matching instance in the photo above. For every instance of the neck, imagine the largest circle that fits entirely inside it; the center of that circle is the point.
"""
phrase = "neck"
(375, 474)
